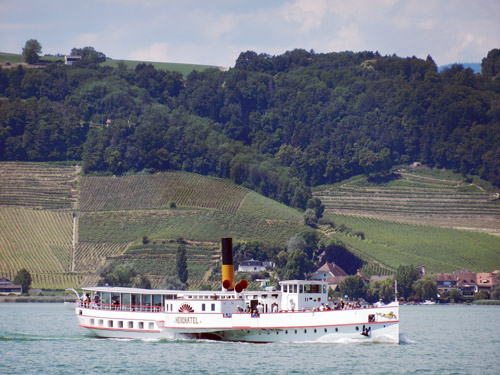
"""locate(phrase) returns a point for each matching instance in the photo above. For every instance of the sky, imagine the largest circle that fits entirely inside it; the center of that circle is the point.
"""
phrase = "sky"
(215, 32)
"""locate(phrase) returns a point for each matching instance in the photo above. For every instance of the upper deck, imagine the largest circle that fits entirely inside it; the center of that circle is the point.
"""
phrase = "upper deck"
(295, 295)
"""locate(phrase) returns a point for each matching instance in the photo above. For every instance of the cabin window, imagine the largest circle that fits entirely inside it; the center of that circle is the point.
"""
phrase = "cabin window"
(285, 288)
(213, 306)
(325, 288)
(131, 325)
(126, 301)
(294, 288)
(136, 300)
(106, 298)
(141, 325)
(151, 325)
(120, 324)
(202, 307)
(146, 299)
(100, 323)
(92, 322)
(157, 301)
(110, 323)
(301, 288)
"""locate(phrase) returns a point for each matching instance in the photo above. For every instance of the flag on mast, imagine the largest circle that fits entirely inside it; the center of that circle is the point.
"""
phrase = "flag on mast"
(395, 285)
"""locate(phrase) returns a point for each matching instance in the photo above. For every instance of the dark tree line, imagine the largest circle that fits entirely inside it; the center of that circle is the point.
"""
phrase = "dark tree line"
(275, 124)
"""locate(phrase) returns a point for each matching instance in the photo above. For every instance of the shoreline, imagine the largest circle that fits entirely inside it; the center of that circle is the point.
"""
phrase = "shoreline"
(37, 299)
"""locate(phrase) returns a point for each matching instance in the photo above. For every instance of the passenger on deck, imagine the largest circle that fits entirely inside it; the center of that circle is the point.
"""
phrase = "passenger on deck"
(87, 300)
(260, 308)
(96, 300)
(322, 307)
(380, 303)
(275, 307)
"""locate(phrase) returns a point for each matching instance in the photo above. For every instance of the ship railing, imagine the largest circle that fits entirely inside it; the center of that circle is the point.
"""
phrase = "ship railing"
(118, 307)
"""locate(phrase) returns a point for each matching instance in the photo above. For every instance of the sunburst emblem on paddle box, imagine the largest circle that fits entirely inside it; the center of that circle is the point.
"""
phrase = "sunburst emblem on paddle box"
(186, 308)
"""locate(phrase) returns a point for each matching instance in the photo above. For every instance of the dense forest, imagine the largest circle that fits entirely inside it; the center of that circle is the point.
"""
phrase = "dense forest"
(275, 124)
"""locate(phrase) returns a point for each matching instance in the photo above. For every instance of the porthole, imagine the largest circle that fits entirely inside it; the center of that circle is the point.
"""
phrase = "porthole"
(336, 329)
(295, 331)
(286, 332)
(305, 331)
(357, 328)
(315, 330)
(326, 330)
(92, 322)
(151, 325)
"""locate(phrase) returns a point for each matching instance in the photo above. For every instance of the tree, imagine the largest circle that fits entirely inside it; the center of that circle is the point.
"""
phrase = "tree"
(310, 218)
(380, 289)
(31, 51)
(142, 281)
(117, 275)
(352, 286)
(297, 266)
(425, 288)
(172, 282)
(406, 276)
(89, 56)
(181, 263)
(495, 292)
(23, 278)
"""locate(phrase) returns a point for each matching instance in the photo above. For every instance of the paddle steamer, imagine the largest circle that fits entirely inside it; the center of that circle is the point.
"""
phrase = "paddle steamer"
(298, 312)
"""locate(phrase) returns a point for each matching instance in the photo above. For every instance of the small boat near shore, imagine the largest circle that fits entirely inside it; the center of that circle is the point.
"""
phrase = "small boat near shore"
(298, 312)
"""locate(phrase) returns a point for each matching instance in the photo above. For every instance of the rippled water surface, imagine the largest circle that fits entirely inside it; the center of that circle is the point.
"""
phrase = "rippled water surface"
(44, 339)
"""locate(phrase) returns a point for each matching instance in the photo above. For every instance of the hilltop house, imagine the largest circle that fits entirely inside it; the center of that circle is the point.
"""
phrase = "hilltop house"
(69, 60)
(254, 266)
(6, 287)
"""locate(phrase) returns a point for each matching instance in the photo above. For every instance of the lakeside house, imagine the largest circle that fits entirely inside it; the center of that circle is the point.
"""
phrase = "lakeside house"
(466, 282)
(6, 287)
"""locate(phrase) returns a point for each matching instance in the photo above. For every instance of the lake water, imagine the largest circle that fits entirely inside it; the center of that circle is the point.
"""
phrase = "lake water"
(44, 339)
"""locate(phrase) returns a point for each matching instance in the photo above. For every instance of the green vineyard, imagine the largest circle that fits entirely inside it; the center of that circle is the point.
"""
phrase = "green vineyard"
(61, 226)
(439, 249)
(424, 197)
(142, 192)
(37, 186)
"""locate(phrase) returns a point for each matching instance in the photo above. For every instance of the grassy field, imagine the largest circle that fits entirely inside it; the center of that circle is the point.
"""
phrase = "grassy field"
(184, 69)
(439, 249)
(116, 214)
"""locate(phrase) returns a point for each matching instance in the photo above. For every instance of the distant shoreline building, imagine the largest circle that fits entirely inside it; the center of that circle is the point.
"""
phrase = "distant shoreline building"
(6, 287)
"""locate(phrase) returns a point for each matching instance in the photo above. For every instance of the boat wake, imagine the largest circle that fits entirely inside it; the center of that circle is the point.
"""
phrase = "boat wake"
(403, 340)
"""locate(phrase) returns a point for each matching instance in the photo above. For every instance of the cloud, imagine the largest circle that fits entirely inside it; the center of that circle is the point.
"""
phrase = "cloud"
(86, 39)
(156, 52)
(308, 13)
(222, 25)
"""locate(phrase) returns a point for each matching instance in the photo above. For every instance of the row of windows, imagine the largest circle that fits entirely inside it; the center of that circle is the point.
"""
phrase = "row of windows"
(121, 324)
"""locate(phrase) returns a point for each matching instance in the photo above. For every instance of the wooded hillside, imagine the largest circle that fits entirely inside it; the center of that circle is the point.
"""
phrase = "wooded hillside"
(275, 124)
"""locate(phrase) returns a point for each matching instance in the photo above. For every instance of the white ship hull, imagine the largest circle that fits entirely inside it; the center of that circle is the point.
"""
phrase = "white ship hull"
(321, 326)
